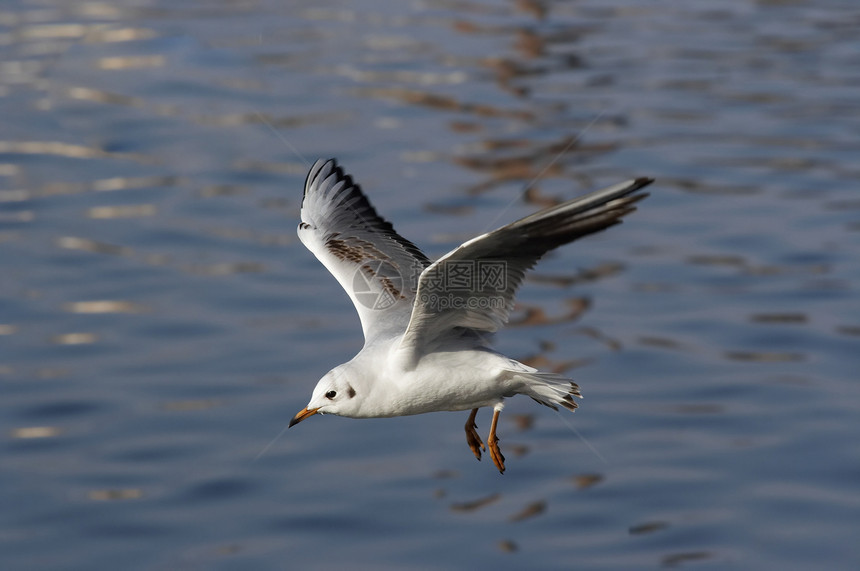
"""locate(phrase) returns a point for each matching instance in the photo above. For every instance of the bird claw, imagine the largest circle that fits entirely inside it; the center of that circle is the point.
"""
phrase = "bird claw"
(493, 443)
(476, 444)
(496, 454)
(472, 438)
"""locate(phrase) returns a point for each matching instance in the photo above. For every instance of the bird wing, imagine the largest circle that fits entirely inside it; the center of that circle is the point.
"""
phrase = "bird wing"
(377, 267)
(472, 287)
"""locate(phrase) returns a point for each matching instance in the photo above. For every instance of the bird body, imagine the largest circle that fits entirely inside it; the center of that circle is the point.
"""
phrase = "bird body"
(394, 390)
(428, 326)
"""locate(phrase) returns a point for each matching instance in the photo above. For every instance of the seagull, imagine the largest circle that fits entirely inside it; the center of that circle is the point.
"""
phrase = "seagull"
(428, 326)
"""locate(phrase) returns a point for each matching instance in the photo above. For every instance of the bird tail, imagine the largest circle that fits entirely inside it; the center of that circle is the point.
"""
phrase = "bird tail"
(549, 389)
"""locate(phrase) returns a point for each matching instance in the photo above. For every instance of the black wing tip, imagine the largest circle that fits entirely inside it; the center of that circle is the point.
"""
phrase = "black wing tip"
(637, 184)
(641, 182)
(369, 211)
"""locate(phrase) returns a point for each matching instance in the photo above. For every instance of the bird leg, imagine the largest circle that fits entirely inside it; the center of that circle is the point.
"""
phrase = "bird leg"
(472, 438)
(493, 444)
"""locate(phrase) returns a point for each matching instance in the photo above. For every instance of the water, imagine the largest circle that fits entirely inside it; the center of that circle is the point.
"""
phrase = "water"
(161, 323)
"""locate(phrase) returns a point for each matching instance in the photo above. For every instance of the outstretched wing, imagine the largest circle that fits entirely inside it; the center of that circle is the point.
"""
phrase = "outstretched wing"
(473, 286)
(376, 266)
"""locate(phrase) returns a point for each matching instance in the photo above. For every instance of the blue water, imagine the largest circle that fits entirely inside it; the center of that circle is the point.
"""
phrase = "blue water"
(160, 323)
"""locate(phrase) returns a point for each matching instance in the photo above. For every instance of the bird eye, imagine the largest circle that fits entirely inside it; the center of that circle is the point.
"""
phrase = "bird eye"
(331, 394)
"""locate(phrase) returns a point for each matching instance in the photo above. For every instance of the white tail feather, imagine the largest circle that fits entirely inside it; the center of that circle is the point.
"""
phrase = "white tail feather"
(549, 389)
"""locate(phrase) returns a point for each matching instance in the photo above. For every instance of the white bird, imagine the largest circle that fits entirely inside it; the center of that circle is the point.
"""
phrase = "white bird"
(427, 326)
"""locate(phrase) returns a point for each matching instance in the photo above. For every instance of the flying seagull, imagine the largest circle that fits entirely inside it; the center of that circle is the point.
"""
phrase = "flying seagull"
(428, 325)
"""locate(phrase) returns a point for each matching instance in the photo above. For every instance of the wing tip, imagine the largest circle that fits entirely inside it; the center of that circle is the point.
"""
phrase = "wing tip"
(318, 167)
(640, 182)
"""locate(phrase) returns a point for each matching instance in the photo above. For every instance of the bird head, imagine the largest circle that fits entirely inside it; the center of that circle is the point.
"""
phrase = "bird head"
(333, 395)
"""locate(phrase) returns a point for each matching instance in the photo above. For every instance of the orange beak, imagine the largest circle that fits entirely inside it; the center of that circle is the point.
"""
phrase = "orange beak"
(303, 414)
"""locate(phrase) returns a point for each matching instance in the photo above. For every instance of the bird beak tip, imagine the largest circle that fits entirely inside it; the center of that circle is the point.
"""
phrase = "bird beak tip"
(303, 414)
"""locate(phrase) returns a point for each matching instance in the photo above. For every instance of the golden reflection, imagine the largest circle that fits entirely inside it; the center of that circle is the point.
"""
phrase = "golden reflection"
(87, 245)
(99, 36)
(273, 122)
(538, 160)
(125, 211)
(421, 156)
(104, 306)
(585, 481)
(523, 422)
(599, 271)
(850, 330)
(536, 8)
(535, 315)
(53, 31)
(36, 432)
(706, 187)
(115, 494)
(648, 527)
(442, 102)
(98, 11)
(518, 450)
(123, 183)
(54, 148)
(475, 505)
(400, 76)
(74, 339)
(465, 126)
(240, 83)
(131, 62)
(98, 96)
(508, 546)
(532, 510)
(612, 344)
(533, 196)
(214, 190)
(226, 268)
(6, 329)
(530, 44)
(764, 356)
(541, 361)
(102, 185)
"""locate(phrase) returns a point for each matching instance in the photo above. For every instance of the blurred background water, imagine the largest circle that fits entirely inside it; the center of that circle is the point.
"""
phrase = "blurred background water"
(160, 323)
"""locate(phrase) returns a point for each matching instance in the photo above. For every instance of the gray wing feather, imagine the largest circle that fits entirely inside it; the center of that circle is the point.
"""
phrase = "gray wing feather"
(372, 262)
(472, 288)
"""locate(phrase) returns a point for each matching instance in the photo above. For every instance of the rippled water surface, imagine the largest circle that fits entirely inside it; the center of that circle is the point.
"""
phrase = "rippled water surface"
(160, 323)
